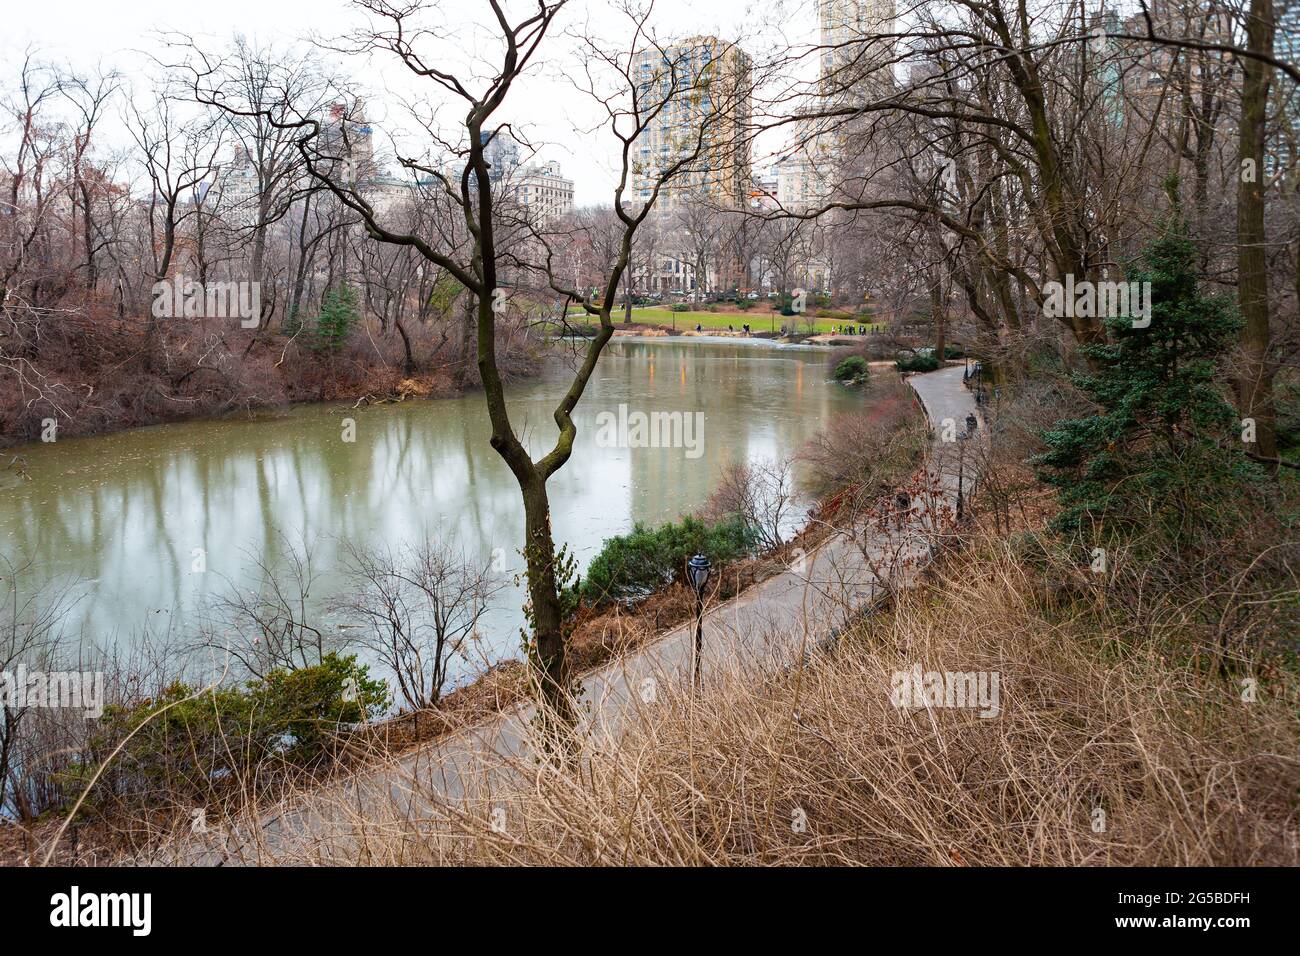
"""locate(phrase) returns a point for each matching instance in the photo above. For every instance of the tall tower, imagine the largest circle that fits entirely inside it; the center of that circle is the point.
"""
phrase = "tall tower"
(1286, 44)
(347, 137)
(845, 26)
(501, 152)
(704, 86)
(854, 61)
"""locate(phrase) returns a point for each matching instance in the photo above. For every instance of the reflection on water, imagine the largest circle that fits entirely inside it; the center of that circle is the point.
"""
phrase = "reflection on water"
(125, 516)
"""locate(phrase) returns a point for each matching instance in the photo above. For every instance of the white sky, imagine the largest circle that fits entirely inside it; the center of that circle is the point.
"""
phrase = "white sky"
(118, 35)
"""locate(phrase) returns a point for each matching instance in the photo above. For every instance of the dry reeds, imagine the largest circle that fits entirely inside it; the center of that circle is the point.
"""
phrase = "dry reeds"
(1111, 747)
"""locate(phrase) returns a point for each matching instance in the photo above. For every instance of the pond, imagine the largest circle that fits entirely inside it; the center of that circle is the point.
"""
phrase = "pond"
(144, 527)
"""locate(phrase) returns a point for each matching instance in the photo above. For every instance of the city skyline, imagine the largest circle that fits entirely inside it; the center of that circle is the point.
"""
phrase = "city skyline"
(544, 112)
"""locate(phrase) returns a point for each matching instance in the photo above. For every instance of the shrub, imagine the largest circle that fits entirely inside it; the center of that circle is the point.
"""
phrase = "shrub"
(184, 746)
(644, 560)
(680, 307)
(917, 363)
(852, 369)
(871, 448)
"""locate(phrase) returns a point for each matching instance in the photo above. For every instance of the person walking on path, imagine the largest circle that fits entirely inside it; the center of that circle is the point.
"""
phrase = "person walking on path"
(904, 503)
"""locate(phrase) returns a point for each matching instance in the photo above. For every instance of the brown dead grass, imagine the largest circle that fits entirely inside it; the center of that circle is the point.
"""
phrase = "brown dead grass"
(815, 766)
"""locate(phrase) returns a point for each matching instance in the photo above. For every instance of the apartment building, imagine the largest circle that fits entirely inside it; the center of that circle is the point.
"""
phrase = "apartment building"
(703, 88)
(846, 26)
(543, 191)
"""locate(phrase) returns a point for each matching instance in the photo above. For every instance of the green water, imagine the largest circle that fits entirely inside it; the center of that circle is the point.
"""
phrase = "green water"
(118, 519)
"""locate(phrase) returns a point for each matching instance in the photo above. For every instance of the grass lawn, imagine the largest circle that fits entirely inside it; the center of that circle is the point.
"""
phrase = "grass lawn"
(760, 319)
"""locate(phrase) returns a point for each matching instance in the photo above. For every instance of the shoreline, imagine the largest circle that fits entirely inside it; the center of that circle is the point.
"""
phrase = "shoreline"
(422, 388)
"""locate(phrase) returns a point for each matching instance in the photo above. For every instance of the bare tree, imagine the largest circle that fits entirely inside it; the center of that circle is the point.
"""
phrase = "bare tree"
(761, 494)
(421, 606)
(89, 97)
(481, 265)
(29, 636)
(176, 157)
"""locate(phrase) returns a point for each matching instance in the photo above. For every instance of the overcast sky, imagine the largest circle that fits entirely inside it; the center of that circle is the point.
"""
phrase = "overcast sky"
(120, 35)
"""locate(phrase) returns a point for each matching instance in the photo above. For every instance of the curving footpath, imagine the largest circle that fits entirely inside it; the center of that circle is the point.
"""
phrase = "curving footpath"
(768, 627)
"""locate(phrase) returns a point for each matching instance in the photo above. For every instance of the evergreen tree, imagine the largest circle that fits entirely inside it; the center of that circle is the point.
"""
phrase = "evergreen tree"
(1164, 444)
(338, 316)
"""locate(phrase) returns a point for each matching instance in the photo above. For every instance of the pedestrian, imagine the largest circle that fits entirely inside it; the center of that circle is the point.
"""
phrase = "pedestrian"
(904, 502)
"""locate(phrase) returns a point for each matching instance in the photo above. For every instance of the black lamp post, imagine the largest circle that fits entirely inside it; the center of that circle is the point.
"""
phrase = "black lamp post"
(961, 473)
(697, 570)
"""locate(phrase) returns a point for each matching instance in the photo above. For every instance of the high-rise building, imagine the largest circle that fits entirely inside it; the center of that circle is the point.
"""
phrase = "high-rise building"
(848, 51)
(704, 86)
(501, 153)
(804, 175)
(1286, 46)
(543, 191)
(855, 59)
(346, 148)
(1286, 43)
(1147, 68)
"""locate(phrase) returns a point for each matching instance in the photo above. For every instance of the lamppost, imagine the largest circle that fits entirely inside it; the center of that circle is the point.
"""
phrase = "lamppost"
(697, 569)
(961, 473)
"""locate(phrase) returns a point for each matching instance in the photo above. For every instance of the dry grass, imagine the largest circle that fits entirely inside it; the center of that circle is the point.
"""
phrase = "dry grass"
(817, 767)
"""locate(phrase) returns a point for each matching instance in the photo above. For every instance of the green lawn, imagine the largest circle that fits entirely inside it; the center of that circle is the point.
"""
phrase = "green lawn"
(760, 319)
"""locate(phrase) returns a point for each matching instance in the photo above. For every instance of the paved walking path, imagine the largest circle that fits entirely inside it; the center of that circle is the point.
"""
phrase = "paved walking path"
(763, 629)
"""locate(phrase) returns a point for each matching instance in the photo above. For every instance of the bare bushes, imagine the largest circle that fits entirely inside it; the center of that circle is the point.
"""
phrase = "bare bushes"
(270, 696)
(864, 449)
(1105, 751)
(857, 459)
(420, 606)
(760, 494)
(93, 372)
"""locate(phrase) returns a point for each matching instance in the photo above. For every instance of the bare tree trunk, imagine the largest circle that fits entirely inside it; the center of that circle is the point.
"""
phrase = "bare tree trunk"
(550, 659)
(467, 340)
(939, 318)
(1255, 386)
(409, 365)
